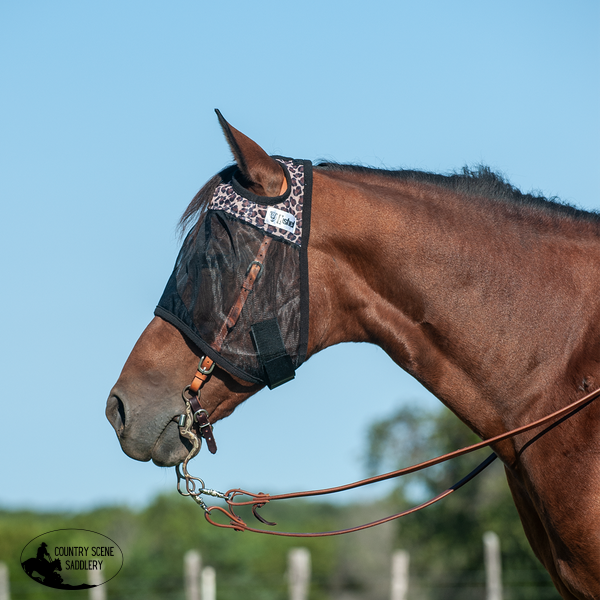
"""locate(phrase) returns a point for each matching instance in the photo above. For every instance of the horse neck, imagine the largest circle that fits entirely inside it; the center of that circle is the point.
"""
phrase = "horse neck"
(486, 306)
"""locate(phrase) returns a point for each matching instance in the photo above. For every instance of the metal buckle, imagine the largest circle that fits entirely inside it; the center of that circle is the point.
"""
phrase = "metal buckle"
(205, 371)
(260, 268)
(201, 410)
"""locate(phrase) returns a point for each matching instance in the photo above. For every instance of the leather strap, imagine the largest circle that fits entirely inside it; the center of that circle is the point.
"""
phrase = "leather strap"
(207, 364)
(205, 368)
(259, 500)
(204, 427)
(236, 310)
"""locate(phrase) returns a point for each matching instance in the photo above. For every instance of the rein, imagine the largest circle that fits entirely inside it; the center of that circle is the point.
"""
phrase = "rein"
(195, 487)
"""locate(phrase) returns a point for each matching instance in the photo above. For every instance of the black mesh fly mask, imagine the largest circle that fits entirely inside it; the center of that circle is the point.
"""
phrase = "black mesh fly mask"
(268, 340)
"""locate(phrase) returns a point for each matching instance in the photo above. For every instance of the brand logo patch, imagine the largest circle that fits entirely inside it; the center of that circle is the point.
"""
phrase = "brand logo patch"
(71, 559)
(281, 219)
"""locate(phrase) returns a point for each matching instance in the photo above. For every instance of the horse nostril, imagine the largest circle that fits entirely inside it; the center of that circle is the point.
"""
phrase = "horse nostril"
(115, 413)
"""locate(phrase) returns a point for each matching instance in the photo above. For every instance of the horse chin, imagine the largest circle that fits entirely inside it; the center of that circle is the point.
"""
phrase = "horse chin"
(170, 448)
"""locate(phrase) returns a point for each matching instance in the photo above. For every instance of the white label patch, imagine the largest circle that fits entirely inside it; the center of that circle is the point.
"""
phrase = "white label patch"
(281, 219)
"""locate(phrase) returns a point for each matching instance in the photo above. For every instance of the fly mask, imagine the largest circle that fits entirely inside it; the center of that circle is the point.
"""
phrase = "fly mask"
(266, 339)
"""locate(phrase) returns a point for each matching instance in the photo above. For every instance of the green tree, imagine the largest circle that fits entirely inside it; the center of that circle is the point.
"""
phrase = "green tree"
(445, 539)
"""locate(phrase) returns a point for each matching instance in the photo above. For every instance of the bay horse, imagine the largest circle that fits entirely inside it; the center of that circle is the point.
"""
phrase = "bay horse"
(487, 296)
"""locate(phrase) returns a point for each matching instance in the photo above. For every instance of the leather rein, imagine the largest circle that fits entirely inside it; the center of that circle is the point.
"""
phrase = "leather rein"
(196, 488)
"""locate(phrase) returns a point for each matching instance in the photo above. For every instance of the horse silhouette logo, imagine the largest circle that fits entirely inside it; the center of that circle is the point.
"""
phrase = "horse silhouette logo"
(46, 568)
(71, 559)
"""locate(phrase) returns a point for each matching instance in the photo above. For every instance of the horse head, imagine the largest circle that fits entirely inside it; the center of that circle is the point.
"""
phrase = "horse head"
(146, 402)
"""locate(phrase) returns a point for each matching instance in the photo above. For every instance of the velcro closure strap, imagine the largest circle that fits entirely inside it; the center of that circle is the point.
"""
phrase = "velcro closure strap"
(276, 362)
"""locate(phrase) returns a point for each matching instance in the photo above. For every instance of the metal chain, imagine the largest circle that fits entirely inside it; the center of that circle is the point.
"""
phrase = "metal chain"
(194, 486)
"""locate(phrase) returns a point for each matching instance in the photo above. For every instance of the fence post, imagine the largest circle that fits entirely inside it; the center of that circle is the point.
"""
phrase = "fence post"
(95, 579)
(209, 584)
(400, 561)
(4, 586)
(299, 573)
(192, 564)
(493, 567)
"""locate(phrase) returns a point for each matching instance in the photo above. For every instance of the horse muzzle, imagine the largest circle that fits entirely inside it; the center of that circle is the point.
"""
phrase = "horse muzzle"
(147, 435)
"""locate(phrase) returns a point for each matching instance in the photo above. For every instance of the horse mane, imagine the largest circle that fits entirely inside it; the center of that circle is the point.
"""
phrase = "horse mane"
(480, 182)
(197, 207)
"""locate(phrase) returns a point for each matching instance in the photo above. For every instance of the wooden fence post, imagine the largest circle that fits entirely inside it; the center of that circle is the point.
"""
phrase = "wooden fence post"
(493, 567)
(299, 573)
(4, 585)
(95, 578)
(209, 584)
(192, 565)
(400, 561)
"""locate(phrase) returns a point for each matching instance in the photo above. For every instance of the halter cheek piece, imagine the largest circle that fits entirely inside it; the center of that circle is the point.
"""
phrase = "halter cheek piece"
(191, 394)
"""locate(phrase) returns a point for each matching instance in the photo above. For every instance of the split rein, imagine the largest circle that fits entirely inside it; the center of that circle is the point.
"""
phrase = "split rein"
(195, 416)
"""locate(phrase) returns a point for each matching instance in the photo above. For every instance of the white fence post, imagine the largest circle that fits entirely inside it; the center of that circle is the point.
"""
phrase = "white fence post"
(299, 573)
(95, 579)
(4, 586)
(400, 561)
(192, 567)
(209, 584)
(493, 567)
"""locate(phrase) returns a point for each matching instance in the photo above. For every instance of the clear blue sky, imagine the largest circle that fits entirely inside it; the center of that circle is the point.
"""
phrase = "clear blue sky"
(107, 130)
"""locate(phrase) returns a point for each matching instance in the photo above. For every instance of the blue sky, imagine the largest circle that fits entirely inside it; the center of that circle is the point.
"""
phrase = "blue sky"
(107, 131)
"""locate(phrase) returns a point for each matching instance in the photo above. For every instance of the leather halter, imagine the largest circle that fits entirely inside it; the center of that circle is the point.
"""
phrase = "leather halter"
(191, 394)
(207, 364)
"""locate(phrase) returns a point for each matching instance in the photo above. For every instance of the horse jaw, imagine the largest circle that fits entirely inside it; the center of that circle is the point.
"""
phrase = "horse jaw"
(146, 401)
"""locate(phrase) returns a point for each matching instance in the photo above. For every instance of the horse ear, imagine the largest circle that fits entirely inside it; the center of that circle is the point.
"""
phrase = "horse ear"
(263, 175)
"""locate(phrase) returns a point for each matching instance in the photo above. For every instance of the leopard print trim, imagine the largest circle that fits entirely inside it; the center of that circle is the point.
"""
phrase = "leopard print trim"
(228, 200)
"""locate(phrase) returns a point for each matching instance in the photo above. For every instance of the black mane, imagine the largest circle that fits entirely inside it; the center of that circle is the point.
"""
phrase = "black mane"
(194, 213)
(480, 182)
